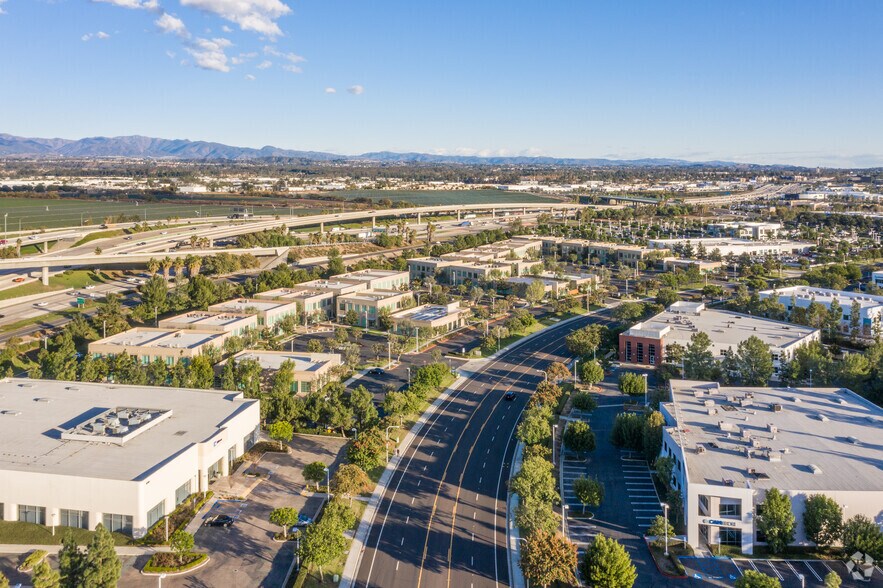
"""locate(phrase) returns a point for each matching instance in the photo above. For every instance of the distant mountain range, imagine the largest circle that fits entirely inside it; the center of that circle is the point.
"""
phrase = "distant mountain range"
(148, 147)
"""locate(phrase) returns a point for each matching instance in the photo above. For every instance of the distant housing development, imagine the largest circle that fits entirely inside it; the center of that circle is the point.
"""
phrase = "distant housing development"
(124, 456)
(731, 445)
(870, 307)
(645, 342)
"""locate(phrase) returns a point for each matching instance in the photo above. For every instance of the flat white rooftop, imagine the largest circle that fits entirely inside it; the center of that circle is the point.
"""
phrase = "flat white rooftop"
(303, 362)
(249, 305)
(725, 329)
(291, 294)
(813, 439)
(164, 338)
(35, 414)
(426, 313)
(826, 296)
(372, 295)
(212, 319)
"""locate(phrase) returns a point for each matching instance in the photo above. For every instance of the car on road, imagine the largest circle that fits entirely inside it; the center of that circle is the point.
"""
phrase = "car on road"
(303, 521)
(42, 304)
(164, 233)
(377, 372)
(141, 243)
(510, 395)
(219, 521)
(90, 287)
(18, 280)
(129, 238)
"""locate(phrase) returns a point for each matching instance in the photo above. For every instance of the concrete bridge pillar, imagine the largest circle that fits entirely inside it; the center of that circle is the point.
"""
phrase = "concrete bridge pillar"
(458, 214)
(523, 211)
(322, 227)
(373, 222)
(419, 216)
(45, 275)
(46, 247)
(493, 213)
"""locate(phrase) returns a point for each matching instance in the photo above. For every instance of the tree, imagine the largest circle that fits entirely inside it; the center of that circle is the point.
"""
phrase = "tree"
(754, 362)
(181, 543)
(585, 341)
(70, 562)
(315, 346)
(154, 295)
(579, 437)
(321, 544)
(45, 576)
(659, 528)
(534, 428)
(628, 431)
(652, 435)
(591, 373)
(752, 579)
(281, 431)
(588, 491)
(548, 558)
(584, 401)
(535, 515)
(535, 481)
(285, 517)
(335, 263)
(606, 563)
(631, 383)
(315, 473)
(699, 363)
(4, 581)
(822, 519)
(855, 313)
(832, 580)
(339, 515)
(349, 481)
(535, 291)
(362, 403)
(665, 297)
(557, 371)
(201, 374)
(777, 520)
(862, 534)
(368, 450)
(102, 567)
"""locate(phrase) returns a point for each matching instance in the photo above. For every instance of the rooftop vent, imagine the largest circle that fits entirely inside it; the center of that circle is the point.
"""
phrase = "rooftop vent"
(700, 449)
(842, 401)
(815, 469)
(823, 418)
(776, 407)
(772, 428)
(796, 399)
(853, 440)
(10, 412)
(42, 399)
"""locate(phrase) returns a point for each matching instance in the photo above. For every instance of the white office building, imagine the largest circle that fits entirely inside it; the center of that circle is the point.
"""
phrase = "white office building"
(733, 246)
(731, 445)
(870, 307)
(78, 454)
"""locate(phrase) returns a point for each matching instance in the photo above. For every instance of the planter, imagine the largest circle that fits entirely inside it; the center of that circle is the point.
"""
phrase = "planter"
(200, 559)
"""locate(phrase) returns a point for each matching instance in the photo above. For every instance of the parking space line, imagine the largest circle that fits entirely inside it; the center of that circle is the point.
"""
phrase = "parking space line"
(812, 571)
(751, 563)
(775, 570)
(788, 563)
(737, 567)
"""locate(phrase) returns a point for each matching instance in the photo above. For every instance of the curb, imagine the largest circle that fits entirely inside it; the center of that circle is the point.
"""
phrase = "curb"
(181, 573)
(516, 577)
(647, 543)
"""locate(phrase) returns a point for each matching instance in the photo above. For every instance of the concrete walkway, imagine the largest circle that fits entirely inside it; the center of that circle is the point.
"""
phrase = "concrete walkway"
(514, 535)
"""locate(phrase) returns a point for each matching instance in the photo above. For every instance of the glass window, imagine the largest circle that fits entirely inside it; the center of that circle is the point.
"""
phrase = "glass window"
(628, 351)
(2, 509)
(117, 523)
(731, 510)
(730, 537)
(182, 492)
(32, 514)
(74, 518)
(156, 513)
(640, 348)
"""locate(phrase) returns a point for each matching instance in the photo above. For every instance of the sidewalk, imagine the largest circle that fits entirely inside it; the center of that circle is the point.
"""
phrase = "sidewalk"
(514, 535)
(125, 550)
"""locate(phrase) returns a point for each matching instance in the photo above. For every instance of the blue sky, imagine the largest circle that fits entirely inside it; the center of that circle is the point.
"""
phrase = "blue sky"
(754, 81)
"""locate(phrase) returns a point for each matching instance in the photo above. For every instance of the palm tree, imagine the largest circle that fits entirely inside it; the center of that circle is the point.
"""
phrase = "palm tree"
(153, 266)
(430, 232)
(194, 262)
(179, 265)
(166, 264)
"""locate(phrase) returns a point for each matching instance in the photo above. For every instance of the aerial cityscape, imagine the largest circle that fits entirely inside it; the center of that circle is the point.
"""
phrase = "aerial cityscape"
(397, 295)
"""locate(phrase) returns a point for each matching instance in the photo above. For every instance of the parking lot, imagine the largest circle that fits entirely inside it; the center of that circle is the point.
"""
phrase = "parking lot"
(639, 487)
(725, 571)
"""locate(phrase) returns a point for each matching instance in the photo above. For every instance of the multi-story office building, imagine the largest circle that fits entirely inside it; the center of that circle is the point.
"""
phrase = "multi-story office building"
(169, 345)
(733, 246)
(79, 454)
(311, 371)
(312, 303)
(369, 303)
(269, 312)
(440, 318)
(730, 446)
(222, 322)
(376, 279)
(870, 307)
(759, 231)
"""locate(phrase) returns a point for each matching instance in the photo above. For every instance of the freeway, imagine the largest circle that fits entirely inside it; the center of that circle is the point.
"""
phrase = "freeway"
(442, 518)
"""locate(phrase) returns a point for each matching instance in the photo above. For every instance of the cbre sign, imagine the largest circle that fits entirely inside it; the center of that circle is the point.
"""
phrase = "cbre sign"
(719, 523)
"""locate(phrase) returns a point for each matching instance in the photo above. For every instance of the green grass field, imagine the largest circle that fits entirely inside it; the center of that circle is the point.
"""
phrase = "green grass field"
(69, 279)
(438, 197)
(18, 533)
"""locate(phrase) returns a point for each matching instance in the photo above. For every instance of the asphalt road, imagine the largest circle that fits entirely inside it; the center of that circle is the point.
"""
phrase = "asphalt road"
(442, 520)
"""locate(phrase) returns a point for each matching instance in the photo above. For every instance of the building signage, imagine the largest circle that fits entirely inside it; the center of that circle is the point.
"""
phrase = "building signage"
(719, 523)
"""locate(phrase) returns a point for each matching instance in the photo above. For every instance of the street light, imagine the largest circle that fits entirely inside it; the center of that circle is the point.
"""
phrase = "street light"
(564, 509)
(386, 444)
(545, 375)
(664, 506)
(554, 428)
(327, 484)
(409, 376)
(646, 403)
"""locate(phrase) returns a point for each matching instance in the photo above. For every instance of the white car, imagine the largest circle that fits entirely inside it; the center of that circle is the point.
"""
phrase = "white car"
(42, 304)
(90, 287)
(164, 233)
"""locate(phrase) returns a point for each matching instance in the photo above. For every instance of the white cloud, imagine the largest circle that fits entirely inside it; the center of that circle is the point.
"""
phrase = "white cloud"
(209, 54)
(250, 77)
(258, 16)
(330, 90)
(226, 29)
(99, 35)
(289, 57)
(1, 7)
(242, 58)
(356, 90)
(133, 4)
(265, 65)
(292, 68)
(172, 24)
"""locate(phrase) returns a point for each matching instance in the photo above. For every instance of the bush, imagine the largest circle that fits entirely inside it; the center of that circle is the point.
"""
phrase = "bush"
(162, 562)
(584, 401)
(579, 437)
(631, 383)
(628, 431)
(32, 559)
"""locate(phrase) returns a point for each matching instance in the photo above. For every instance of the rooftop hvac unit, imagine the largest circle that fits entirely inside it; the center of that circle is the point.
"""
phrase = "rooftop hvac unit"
(709, 403)
(796, 399)
(700, 449)
(776, 407)
(823, 418)
(815, 469)
(712, 411)
(786, 450)
(853, 440)
(772, 428)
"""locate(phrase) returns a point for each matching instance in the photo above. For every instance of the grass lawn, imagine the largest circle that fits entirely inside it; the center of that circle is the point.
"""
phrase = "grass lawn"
(100, 235)
(68, 279)
(310, 578)
(669, 565)
(15, 532)
(761, 552)
(506, 341)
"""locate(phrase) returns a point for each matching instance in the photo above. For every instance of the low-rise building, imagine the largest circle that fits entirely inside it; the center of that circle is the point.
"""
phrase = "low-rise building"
(551, 286)
(645, 342)
(269, 312)
(869, 306)
(759, 231)
(877, 279)
(377, 279)
(147, 345)
(596, 251)
(439, 318)
(724, 246)
(336, 286)
(703, 265)
(477, 272)
(222, 322)
(313, 304)
(421, 268)
(368, 304)
(311, 371)
(730, 446)
(80, 454)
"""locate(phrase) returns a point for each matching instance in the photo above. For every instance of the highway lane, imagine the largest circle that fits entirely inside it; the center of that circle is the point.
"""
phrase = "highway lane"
(442, 520)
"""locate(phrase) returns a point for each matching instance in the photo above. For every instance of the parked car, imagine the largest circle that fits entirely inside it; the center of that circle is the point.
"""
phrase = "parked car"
(377, 372)
(90, 287)
(303, 521)
(219, 521)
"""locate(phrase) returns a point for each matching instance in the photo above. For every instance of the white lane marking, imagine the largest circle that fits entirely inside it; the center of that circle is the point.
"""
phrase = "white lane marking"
(408, 518)
(403, 541)
(737, 567)
(397, 566)
(812, 571)
(775, 569)
(479, 480)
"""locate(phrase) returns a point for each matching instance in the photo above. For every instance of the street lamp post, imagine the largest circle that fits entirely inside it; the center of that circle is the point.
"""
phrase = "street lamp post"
(409, 376)
(646, 403)
(564, 509)
(386, 444)
(327, 483)
(664, 506)
(554, 428)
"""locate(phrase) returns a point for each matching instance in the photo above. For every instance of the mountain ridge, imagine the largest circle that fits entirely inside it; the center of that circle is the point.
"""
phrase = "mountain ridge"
(138, 146)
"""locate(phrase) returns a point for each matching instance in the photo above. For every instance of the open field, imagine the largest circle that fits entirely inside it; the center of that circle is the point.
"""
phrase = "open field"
(68, 279)
(437, 197)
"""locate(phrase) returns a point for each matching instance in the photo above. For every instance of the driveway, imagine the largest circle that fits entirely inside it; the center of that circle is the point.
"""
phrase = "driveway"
(245, 555)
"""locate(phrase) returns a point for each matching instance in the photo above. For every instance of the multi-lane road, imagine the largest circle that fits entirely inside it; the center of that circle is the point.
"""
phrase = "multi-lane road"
(442, 518)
